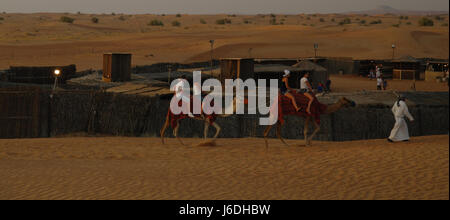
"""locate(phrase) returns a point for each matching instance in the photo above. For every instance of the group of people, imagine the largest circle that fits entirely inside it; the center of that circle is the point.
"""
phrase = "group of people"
(378, 75)
(305, 88)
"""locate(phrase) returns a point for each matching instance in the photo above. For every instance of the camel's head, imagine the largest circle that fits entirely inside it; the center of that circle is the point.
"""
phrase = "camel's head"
(347, 102)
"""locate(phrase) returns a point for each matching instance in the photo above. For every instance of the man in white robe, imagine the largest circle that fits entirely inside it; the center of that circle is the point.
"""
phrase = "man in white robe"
(400, 130)
(182, 92)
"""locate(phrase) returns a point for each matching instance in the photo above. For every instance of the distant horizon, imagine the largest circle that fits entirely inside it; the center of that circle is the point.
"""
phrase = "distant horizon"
(213, 7)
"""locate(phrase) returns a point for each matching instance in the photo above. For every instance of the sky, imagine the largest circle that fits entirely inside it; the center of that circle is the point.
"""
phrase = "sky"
(214, 6)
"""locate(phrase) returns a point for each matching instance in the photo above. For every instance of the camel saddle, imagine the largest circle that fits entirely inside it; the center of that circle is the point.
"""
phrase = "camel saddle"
(175, 117)
(286, 107)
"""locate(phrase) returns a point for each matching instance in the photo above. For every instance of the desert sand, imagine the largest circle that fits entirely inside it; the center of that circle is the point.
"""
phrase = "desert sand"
(142, 168)
(42, 39)
(350, 83)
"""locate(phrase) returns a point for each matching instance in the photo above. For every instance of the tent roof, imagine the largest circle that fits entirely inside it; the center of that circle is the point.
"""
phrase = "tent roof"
(406, 59)
(306, 65)
(274, 68)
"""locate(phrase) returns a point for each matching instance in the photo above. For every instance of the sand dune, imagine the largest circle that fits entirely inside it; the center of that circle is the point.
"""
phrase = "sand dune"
(141, 168)
(41, 39)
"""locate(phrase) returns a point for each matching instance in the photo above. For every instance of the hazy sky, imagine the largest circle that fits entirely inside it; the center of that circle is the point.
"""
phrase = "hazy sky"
(214, 6)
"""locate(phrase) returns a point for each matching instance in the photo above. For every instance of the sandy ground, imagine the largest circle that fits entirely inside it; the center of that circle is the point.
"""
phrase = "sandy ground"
(42, 39)
(350, 83)
(142, 168)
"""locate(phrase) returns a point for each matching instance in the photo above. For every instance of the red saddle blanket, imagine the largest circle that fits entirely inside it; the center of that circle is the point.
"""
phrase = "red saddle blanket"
(285, 107)
(175, 117)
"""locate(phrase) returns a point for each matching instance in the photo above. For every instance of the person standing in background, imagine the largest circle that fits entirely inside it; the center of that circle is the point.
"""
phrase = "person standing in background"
(371, 74)
(385, 83)
(378, 71)
(379, 83)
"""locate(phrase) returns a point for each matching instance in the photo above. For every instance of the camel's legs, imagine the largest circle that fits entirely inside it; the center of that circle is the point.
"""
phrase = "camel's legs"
(163, 129)
(217, 129)
(216, 126)
(205, 131)
(266, 132)
(279, 134)
(314, 133)
(175, 133)
(305, 130)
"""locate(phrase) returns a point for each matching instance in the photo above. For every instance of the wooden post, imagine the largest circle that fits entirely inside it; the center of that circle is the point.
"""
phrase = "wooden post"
(212, 48)
(36, 114)
(170, 71)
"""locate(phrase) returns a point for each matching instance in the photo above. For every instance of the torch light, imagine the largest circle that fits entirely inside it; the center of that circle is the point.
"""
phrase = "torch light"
(57, 73)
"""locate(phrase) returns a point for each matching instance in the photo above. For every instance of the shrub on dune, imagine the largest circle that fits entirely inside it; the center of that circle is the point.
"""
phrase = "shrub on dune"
(176, 23)
(376, 22)
(223, 21)
(273, 21)
(94, 20)
(439, 18)
(426, 22)
(156, 22)
(66, 19)
(345, 21)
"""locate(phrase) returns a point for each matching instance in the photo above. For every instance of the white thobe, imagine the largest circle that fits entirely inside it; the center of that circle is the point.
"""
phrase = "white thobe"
(400, 130)
(378, 74)
(182, 91)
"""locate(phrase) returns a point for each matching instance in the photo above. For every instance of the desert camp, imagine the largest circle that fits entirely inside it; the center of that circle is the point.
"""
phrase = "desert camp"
(93, 93)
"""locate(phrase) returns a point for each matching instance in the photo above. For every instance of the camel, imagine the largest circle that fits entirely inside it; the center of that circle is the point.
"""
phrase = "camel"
(206, 118)
(343, 102)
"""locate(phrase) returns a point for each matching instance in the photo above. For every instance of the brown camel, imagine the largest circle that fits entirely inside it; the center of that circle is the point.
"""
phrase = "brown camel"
(206, 118)
(343, 102)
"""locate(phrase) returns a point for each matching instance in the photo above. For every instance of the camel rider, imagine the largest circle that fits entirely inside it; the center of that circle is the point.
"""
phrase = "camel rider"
(197, 92)
(180, 93)
(306, 89)
(400, 130)
(285, 89)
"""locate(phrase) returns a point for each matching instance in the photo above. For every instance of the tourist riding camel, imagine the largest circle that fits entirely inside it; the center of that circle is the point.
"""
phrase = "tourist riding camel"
(173, 120)
(306, 89)
(285, 89)
(180, 87)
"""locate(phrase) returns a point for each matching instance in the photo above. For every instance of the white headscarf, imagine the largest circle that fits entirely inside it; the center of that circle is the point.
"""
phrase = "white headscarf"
(286, 73)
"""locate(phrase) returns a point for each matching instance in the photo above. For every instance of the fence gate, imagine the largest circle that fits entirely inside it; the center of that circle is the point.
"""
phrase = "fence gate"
(20, 115)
